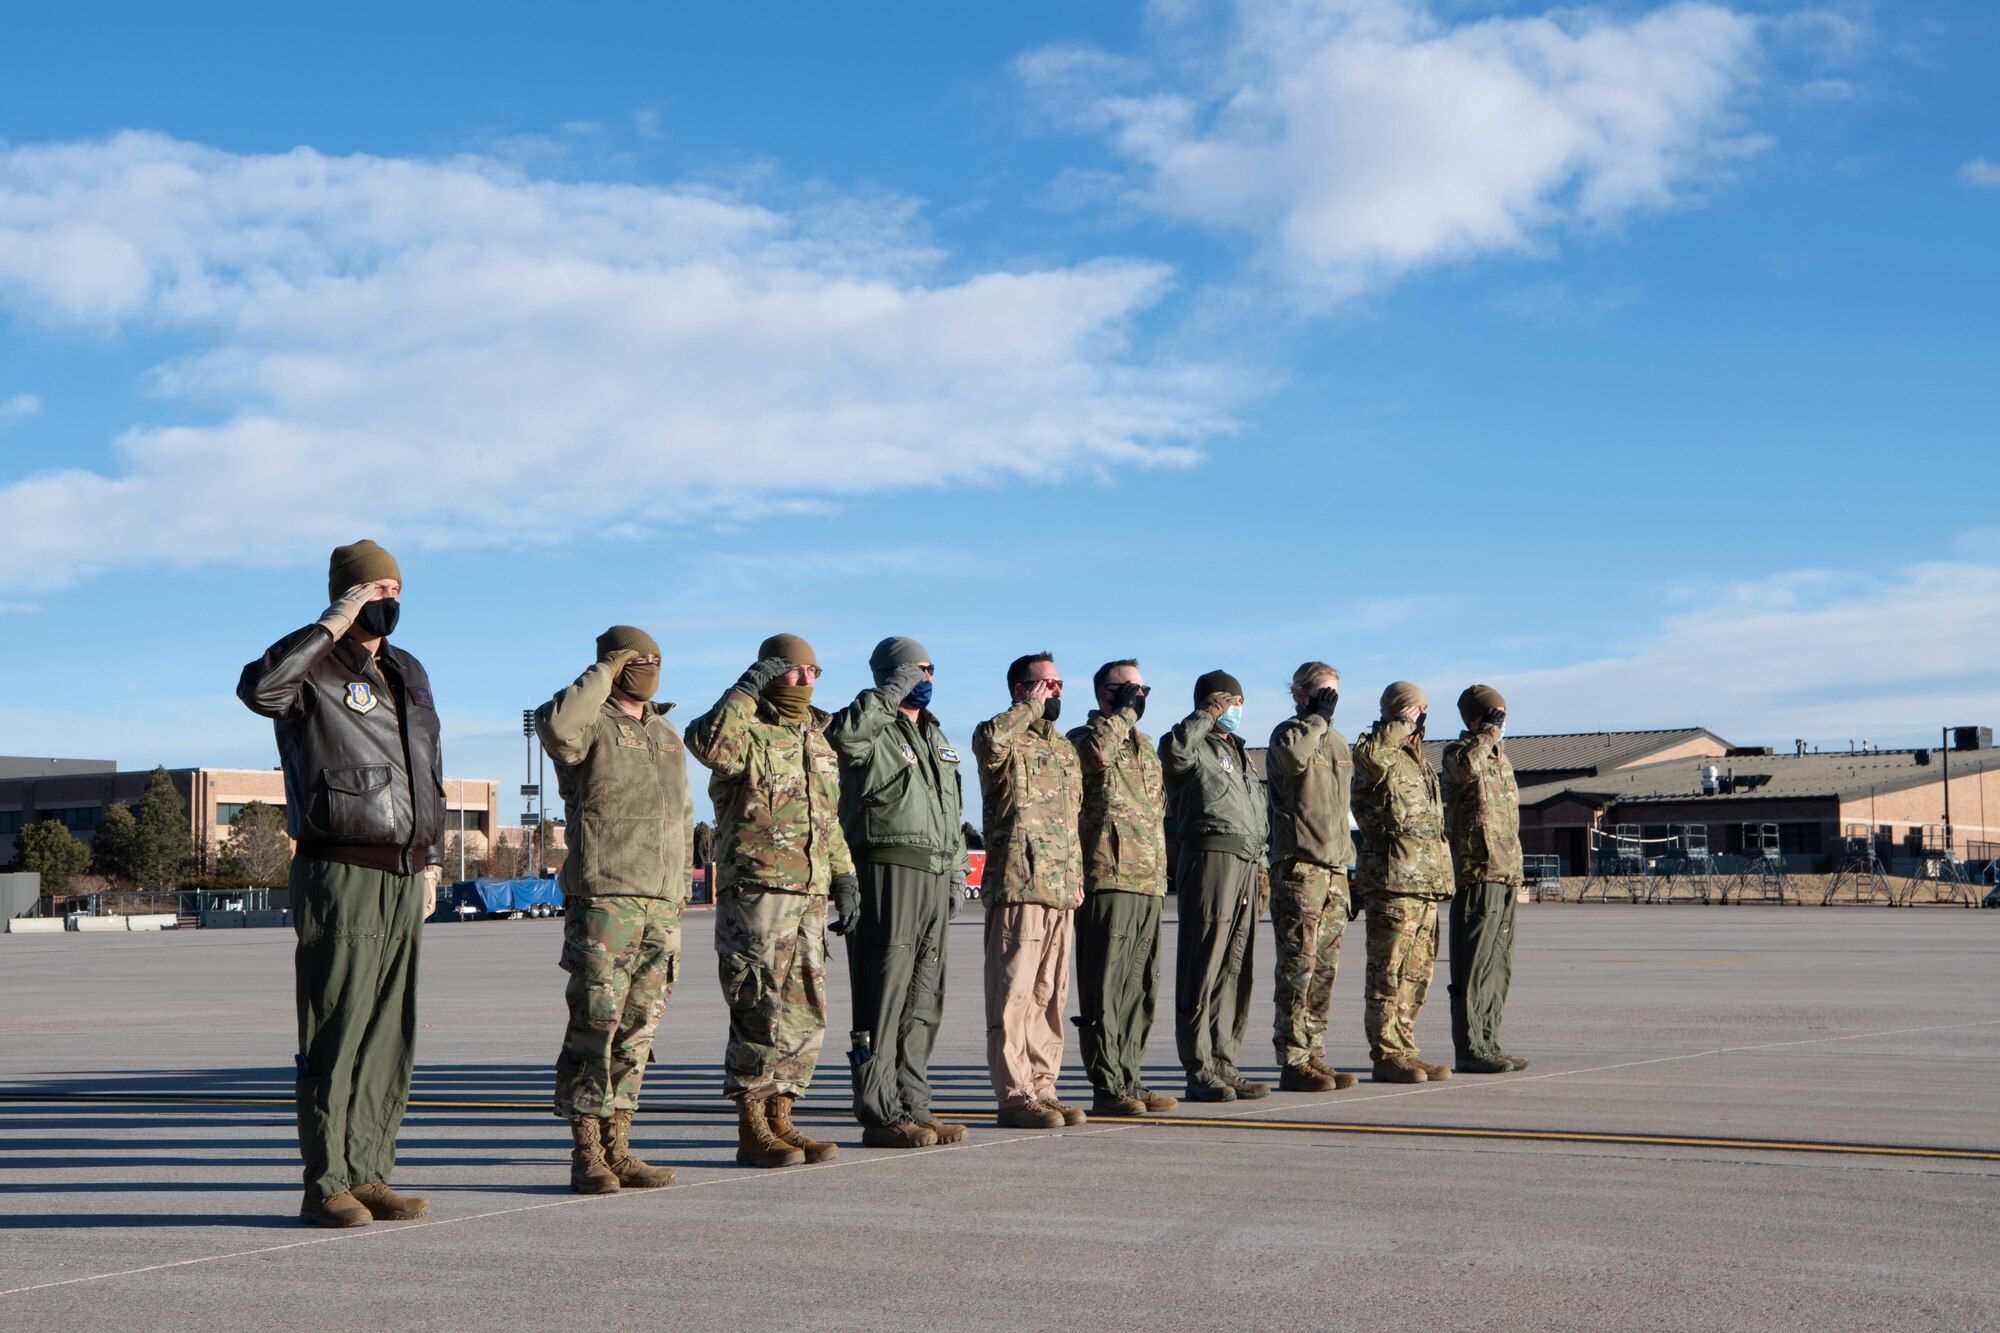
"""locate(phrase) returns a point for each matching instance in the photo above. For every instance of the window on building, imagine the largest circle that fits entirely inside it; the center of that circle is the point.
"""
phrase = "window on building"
(226, 811)
(76, 818)
(10, 821)
(463, 821)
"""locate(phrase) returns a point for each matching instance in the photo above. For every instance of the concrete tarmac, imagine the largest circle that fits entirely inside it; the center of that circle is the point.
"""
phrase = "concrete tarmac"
(1671, 1045)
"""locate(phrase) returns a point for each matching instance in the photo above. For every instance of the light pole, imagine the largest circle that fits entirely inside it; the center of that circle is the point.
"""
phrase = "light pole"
(528, 787)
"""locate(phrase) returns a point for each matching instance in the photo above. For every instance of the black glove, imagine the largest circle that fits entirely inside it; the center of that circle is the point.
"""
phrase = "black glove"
(1494, 717)
(957, 894)
(1417, 727)
(1129, 694)
(901, 681)
(1324, 700)
(846, 904)
(753, 681)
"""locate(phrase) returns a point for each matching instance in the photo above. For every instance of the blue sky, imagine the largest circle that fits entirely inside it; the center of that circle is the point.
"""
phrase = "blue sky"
(1639, 359)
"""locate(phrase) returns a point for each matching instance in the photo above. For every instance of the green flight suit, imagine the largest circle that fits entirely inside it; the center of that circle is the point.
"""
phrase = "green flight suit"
(1482, 806)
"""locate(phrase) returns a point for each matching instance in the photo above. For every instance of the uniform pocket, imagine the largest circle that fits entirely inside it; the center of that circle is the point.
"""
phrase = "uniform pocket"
(358, 804)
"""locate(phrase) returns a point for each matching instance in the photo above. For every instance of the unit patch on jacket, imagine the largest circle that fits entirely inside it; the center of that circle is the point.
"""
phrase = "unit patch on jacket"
(909, 753)
(361, 696)
(421, 697)
(1225, 764)
(630, 739)
(946, 753)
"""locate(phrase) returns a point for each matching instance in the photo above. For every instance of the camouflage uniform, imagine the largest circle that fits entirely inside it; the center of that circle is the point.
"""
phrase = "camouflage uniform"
(625, 879)
(1483, 814)
(776, 792)
(1403, 872)
(1125, 885)
(1310, 772)
(1031, 790)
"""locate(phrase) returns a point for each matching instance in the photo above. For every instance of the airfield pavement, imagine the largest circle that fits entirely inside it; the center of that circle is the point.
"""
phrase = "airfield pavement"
(1704, 1047)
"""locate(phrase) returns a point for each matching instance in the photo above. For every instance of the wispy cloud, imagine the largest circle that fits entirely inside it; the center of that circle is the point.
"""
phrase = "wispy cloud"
(1980, 174)
(457, 352)
(1359, 140)
(19, 408)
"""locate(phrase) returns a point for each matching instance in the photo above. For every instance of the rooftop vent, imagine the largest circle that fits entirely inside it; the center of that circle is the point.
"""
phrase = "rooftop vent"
(1923, 757)
(1746, 751)
(1972, 738)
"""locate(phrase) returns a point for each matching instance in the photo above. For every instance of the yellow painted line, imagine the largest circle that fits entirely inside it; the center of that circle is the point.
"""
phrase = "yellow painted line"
(719, 1107)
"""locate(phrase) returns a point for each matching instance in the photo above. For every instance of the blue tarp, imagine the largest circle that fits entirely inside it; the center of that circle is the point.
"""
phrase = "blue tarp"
(499, 895)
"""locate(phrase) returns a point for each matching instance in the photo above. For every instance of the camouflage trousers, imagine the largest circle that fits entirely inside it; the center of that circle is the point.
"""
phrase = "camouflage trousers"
(771, 949)
(622, 955)
(1308, 917)
(1402, 950)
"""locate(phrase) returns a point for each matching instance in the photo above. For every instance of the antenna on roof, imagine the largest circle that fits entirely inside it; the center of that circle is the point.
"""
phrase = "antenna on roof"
(1802, 747)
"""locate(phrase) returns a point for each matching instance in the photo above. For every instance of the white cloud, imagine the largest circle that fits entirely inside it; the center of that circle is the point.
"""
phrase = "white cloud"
(453, 352)
(1980, 174)
(1826, 656)
(15, 410)
(1358, 140)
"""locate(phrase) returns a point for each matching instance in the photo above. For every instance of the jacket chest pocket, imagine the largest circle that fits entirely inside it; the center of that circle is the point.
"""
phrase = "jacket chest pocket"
(359, 805)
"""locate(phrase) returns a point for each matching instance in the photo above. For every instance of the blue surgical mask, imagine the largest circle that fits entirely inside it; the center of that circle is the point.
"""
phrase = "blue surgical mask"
(1230, 719)
(920, 697)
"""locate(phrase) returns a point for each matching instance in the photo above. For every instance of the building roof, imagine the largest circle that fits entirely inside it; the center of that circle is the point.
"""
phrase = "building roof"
(1771, 777)
(1541, 759)
(29, 766)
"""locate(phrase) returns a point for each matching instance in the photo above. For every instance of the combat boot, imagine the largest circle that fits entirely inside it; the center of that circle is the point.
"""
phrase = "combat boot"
(336, 1210)
(588, 1172)
(1342, 1080)
(1029, 1115)
(1399, 1069)
(1249, 1089)
(1157, 1103)
(781, 1125)
(385, 1205)
(947, 1132)
(1071, 1115)
(1112, 1104)
(1435, 1073)
(1514, 1062)
(632, 1173)
(1206, 1091)
(1302, 1077)
(902, 1134)
(756, 1145)
(1484, 1064)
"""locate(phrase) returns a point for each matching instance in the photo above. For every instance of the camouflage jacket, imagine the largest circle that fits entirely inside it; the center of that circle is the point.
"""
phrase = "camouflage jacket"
(776, 792)
(624, 785)
(1031, 790)
(901, 797)
(1482, 809)
(1311, 775)
(1124, 806)
(1400, 810)
(1217, 799)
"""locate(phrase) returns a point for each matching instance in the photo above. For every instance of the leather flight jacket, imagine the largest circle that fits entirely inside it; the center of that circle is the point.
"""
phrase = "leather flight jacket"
(358, 739)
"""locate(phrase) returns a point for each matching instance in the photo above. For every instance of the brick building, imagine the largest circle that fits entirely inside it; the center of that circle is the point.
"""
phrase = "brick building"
(76, 793)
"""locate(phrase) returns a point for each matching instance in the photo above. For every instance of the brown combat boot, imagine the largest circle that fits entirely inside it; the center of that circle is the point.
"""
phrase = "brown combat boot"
(1342, 1080)
(1436, 1073)
(1029, 1115)
(1157, 1103)
(1400, 1070)
(902, 1134)
(1302, 1077)
(632, 1173)
(385, 1205)
(588, 1172)
(782, 1127)
(1113, 1104)
(336, 1210)
(1071, 1115)
(756, 1145)
(947, 1132)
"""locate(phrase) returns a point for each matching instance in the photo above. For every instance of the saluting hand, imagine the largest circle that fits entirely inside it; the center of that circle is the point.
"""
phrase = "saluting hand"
(901, 681)
(339, 618)
(762, 673)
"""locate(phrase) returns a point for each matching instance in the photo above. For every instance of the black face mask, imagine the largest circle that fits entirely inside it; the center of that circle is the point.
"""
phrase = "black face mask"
(1051, 709)
(379, 618)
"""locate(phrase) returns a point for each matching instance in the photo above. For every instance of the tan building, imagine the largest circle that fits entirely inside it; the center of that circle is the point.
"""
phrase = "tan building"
(77, 797)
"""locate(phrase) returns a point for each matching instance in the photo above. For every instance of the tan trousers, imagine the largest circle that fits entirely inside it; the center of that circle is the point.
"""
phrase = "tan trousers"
(1027, 988)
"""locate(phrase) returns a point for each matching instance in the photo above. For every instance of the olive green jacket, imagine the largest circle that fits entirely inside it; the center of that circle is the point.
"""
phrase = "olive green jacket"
(902, 800)
(1482, 809)
(1311, 773)
(776, 792)
(1124, 806)
(1401, 813)
(624, 786)
(1031, 791)
(1216, 798)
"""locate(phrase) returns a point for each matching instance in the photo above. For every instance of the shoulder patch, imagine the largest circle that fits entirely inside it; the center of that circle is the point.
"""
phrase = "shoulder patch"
(361, 696)
(420, 695)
